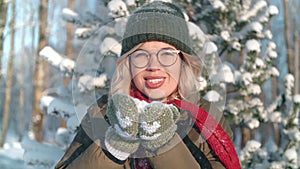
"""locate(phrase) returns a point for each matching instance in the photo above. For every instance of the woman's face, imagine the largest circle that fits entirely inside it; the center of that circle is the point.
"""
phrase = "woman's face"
(154, 79)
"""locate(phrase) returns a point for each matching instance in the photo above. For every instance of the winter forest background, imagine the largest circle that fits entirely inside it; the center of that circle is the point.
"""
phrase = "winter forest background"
(48, 51)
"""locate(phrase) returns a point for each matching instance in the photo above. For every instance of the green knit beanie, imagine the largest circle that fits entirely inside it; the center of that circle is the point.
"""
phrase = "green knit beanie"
(157, 21)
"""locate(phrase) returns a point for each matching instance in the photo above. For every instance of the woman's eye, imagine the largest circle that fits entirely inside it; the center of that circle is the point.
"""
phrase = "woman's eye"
(168, 53)
(139, 55)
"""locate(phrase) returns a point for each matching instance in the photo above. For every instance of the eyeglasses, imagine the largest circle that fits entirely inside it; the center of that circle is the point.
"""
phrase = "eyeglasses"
(166, 57)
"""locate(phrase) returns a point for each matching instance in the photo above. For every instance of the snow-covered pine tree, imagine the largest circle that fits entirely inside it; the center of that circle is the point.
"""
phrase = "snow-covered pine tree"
(99, 35)
(240, 30)
(284, 111)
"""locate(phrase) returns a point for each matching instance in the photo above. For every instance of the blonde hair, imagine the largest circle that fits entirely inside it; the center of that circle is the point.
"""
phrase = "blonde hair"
(187, 86)
(121, 80)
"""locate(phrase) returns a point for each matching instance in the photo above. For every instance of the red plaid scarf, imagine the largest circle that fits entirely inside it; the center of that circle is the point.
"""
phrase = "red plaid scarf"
(210, 129)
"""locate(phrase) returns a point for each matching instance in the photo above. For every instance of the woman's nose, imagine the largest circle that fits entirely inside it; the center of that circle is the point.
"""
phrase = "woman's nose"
(153, 63)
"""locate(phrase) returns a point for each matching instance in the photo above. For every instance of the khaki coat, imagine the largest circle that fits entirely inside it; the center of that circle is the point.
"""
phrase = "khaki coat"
(85, 151)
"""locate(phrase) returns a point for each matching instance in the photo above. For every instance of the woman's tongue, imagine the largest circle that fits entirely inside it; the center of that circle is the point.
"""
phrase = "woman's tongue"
(154, 83)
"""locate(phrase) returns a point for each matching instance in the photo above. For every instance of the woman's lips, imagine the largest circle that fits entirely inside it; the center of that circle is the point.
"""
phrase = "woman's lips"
(154, 82)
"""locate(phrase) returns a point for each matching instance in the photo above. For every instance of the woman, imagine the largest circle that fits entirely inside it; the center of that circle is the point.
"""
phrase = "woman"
(154, 117)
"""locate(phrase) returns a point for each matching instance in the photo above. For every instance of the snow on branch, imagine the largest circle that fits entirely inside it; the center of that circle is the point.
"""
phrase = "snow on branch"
(296, 99)
(253, 12)
(89, 83)
(65, 65)
(252, 154)
(55, 105)
(212, 96)
(66, 110)
(217, 4)
(70, 16)
(85, 32)
(117, 8)
(253, 45)
(289, 82)
(273, 10)
(195, 32)
(46, 101)
(110, 45)
(255, 28)
(63, 137)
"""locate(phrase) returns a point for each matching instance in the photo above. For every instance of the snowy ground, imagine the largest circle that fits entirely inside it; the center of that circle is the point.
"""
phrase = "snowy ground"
(11, 155)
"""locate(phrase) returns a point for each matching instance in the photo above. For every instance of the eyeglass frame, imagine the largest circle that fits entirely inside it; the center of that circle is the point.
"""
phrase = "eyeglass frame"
(178, 52)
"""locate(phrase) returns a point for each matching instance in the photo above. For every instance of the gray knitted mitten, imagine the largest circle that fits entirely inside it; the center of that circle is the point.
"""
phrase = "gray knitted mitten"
(157, 124)
(121, 137)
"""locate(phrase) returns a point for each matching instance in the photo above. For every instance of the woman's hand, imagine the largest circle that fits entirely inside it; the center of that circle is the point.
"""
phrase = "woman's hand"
(157, 124)
(121, 137)
(134, 122)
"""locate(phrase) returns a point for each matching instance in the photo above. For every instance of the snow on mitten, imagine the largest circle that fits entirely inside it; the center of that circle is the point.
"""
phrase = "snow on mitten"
(157, 124)
(121, 137)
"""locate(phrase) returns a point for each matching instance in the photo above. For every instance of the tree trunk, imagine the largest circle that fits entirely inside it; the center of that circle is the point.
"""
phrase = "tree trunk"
(246, 136)
(3, 12)
(69, 50)
(297, 69)
(274, 127)
(287, 28)
(296, 63)
(9, 80)
(70, 35)
(39, 84)
(21, 119)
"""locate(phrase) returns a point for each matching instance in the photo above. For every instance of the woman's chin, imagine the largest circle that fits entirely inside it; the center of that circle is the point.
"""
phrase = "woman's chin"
(157, 95)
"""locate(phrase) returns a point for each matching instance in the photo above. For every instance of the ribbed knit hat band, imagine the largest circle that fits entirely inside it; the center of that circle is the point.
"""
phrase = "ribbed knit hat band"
(157, 21)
